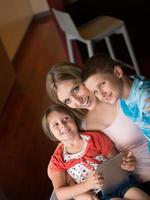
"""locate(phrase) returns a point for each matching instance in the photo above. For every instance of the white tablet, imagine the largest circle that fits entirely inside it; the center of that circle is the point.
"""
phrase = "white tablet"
(112, 173)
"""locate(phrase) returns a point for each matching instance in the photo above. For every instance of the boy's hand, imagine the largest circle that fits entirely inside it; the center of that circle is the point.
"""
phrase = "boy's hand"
(129, 161)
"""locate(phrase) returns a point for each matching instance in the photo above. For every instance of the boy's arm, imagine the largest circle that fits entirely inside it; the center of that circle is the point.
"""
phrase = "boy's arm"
(147, 109)
(144, 102)
(67, 192)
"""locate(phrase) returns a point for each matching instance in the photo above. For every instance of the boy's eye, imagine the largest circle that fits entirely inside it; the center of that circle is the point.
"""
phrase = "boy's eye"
(75, 89)
(101, 84)
(95, 92)
(67, 101)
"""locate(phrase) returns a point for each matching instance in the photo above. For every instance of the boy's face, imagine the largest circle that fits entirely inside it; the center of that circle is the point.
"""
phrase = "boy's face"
(106, 87)
(62, 126)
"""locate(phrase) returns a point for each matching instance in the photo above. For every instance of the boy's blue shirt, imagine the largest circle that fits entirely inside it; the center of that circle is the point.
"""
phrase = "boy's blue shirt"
(135, 105)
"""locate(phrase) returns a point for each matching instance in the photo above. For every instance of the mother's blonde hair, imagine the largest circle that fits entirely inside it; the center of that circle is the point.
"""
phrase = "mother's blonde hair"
(61, 72)
(58, 73)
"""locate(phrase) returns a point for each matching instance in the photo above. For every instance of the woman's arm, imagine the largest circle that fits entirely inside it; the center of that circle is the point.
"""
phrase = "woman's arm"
(65, 192)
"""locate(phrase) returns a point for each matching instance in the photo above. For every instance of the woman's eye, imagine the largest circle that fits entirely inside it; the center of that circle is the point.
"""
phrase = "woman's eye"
(75, 89)
(67, 101)
(103, 83)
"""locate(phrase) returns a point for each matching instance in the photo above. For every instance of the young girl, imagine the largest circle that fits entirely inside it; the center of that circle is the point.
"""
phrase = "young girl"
(79, 154)
(106, 79)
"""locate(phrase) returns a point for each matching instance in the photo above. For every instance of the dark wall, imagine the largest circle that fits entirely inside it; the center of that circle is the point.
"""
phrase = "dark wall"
(136, 15)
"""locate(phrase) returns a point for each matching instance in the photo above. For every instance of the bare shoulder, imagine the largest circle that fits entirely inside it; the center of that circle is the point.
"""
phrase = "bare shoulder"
(101, 117)
(94, 121)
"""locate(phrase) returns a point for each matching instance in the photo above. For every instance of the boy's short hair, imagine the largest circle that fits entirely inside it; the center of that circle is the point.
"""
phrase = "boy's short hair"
(99, 63)
(61, 109)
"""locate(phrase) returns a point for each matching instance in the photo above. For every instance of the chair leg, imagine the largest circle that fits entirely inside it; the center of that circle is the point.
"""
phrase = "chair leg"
(130, 49)
(110, 48)
(70, 49)
(90, 48)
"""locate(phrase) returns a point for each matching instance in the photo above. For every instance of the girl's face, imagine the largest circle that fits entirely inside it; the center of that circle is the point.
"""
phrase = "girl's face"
(75, 95)
(62, 126)
(106, 87)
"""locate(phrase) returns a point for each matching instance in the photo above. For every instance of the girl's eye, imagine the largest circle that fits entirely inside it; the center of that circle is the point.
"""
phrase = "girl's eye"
(75, 89)
(66, 118)
(67, 101)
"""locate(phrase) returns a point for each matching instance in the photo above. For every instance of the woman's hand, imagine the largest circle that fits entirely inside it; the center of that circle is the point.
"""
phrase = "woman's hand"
(129, 161)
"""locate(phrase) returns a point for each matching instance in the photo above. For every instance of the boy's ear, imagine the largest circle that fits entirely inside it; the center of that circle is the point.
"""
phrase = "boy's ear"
(118, 71)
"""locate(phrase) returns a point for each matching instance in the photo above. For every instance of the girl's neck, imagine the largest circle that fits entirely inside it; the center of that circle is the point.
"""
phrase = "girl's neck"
(75, 146)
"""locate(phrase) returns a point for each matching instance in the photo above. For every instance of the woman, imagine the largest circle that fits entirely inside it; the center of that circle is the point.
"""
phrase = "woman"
(64, 85)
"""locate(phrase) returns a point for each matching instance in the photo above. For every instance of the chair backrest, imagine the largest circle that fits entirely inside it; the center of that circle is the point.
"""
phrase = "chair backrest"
(65, 22)
(57, 4)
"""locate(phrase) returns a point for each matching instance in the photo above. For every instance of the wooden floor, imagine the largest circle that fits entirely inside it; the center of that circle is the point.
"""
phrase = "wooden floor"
(24, 149)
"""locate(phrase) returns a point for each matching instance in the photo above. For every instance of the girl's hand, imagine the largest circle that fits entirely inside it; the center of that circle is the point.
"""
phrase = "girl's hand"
(129, 161)
(94, 181)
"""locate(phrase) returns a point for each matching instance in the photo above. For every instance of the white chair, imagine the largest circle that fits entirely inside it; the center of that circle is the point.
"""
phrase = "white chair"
(95, 30)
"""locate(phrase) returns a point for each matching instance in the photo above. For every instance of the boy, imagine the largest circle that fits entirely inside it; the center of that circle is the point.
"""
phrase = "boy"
(106, 79)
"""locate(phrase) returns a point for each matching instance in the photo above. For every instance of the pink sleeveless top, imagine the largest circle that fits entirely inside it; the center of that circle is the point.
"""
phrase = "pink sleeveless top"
(126, 135)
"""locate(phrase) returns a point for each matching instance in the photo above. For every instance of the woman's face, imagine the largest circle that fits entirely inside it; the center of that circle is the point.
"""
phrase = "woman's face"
(75, 95)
